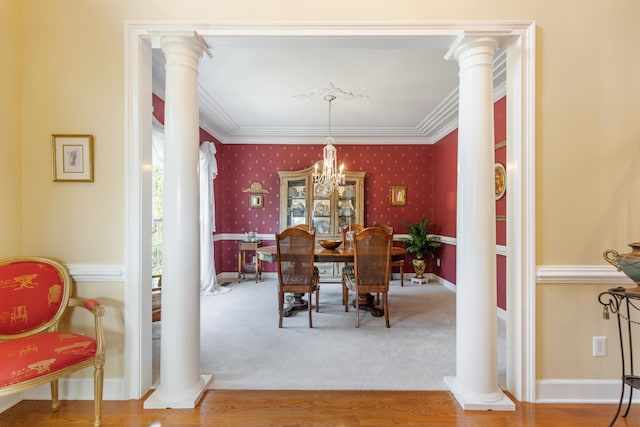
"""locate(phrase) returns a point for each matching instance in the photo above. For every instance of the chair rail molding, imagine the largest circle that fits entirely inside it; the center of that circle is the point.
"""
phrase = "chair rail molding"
(580, 274)
(96, 272)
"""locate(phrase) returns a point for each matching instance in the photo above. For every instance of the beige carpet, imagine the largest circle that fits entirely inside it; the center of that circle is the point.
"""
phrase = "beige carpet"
(243, 348)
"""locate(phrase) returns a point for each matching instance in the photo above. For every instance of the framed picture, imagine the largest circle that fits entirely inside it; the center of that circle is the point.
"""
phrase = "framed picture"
(501, 180)
(255, 201)
(72, 157)
(397, 196)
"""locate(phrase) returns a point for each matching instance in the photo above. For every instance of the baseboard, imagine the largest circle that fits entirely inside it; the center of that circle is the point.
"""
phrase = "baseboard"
(581, 391)
(78, 389)
(7, 402)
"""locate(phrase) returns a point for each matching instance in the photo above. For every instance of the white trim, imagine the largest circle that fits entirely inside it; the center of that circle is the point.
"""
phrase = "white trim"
(581, 274)
(582, 391)
(78, 389)
(137, 298)
(96, 272)
(9, 401)
(521, 216)
(520, 173)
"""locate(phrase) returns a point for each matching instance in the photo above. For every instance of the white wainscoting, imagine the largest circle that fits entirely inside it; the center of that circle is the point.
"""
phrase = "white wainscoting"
(548, 390)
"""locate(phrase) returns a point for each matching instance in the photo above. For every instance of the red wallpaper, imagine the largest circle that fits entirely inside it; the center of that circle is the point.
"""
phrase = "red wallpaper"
(385, 166)
(444, 197)
(428, 171)
(445, 168)
(500, 119)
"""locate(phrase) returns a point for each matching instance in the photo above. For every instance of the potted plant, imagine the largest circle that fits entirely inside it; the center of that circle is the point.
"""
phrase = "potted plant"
(420, 243)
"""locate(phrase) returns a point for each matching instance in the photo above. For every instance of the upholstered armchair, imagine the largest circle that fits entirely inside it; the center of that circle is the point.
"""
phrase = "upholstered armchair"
(34, 297)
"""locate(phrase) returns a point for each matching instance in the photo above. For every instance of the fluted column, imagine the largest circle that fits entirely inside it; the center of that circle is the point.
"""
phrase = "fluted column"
(181, 384)
(475, 385)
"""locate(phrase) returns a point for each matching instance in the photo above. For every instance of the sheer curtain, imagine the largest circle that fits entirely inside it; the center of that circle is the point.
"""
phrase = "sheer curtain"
(208, 171)
(157, 156)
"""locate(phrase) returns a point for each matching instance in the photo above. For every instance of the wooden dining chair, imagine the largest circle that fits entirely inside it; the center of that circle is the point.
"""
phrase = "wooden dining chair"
(296, 273)
(305, 227)
(399, 263)
(347, 269)
(372, 267)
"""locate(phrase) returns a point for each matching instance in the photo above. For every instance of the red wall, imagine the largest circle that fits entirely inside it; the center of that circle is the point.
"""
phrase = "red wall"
(428, 171)
(385, 166)
(445, 193)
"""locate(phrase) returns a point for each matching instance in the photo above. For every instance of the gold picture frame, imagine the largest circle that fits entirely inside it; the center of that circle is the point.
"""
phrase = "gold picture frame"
(256, 201)
(72, 157)
(397, 196)
(501, 180)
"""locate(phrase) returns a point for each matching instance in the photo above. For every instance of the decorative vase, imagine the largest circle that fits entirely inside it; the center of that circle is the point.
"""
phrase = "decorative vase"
(628, 263)
(419, 264)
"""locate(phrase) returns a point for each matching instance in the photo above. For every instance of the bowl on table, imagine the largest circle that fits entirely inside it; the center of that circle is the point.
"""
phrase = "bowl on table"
(330, 244)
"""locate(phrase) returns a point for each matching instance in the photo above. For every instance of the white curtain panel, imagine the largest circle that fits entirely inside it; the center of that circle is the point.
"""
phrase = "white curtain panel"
(208, 171)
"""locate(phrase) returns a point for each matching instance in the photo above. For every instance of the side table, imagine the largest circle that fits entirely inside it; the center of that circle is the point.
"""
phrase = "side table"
(253, 267)
(624, 305)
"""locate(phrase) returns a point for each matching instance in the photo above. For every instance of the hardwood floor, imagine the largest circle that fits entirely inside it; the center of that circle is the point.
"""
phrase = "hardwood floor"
(315, 408)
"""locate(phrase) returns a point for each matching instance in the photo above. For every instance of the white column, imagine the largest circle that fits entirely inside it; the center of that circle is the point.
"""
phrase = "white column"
(181, 384)
(475, 385)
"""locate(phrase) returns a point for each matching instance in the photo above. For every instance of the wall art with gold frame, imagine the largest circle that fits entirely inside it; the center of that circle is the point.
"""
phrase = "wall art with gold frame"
(501, 180)
(397, 196)
(72, 157)
(256, 195)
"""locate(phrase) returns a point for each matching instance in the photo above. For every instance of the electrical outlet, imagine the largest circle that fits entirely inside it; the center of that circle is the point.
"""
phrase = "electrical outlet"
(599, 346)
(437, 262)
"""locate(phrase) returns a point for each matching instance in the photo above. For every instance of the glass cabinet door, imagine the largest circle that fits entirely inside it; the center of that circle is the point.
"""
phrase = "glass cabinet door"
(347, 202)
(296, 202)
(303, 202)
(322, 214)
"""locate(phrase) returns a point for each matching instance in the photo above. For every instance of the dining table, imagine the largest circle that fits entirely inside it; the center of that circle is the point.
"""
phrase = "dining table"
(340, 254)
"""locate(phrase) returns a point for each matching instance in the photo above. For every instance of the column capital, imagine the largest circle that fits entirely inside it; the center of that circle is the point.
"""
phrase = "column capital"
(181, 43)
(467, 46)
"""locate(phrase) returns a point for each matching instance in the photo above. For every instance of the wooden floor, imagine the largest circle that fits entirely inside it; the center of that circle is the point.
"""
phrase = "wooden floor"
(316, 408)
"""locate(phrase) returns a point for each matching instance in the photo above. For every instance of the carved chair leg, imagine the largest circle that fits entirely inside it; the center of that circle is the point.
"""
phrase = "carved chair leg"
(386, 307)
(401, 276)
(98, 376)
(357, 310)
(310, 309)
(55, 402)
(345, 294)
(280, 308)
(317, 299)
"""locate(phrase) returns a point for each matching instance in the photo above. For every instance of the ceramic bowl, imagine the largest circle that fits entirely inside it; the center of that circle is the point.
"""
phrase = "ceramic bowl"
(330, 244)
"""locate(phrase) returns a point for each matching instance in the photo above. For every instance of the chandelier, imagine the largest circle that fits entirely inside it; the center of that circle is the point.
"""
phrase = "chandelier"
(330, 177)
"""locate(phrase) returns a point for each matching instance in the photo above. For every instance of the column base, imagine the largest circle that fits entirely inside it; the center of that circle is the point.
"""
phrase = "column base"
(469, 400)
(157, 401)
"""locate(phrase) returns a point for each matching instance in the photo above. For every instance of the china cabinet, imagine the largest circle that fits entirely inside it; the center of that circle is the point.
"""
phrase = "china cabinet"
(302, 202)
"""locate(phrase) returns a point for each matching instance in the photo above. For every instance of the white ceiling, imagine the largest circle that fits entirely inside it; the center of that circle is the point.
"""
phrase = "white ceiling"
(405, 91)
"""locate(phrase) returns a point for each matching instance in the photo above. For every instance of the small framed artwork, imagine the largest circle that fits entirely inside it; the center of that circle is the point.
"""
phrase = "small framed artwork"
(255, 201)
(397, 196)
(72, 157)
(501, 180)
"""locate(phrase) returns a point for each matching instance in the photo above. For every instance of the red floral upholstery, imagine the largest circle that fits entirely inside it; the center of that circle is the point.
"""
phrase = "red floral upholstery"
(31, 295)
(23, 359)
(34, 294)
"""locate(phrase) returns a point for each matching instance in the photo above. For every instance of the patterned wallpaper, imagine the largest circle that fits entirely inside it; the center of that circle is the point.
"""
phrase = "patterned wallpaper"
(428, 171)
(445, 193)
(385, 166)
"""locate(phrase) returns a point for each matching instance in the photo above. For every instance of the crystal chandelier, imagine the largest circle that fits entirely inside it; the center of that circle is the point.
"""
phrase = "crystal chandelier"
(330, 177)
